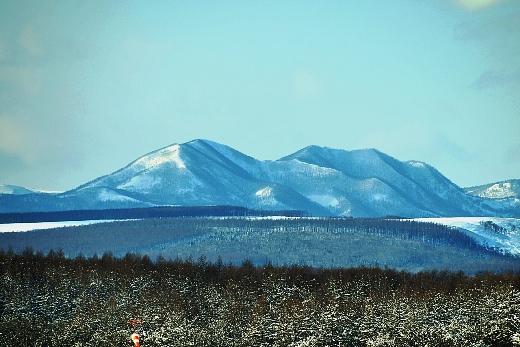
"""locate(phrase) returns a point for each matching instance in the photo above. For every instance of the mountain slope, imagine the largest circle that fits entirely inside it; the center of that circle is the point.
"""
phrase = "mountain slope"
(382, 178)
(15, 190)
(502, 234)
(319, 180)
(202, 172)
(86, 199)
(497, 190)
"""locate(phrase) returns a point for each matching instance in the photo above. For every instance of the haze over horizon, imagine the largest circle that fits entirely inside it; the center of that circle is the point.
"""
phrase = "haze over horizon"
(85, 88)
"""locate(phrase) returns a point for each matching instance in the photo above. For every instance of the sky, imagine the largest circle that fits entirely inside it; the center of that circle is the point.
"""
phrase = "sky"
(88, 86)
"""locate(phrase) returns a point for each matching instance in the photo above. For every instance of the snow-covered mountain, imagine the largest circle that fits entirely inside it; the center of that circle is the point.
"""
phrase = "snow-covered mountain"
(381, 185)
(15, 190)
(497, 190)
(319, 180)
(202, 172)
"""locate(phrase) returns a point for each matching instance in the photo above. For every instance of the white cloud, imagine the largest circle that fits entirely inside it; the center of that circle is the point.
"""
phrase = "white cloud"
(13, 137)
(476, 4)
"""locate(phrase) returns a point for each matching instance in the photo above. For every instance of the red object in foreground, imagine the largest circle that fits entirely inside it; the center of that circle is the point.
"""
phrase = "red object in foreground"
(135, 339)
(134, 322)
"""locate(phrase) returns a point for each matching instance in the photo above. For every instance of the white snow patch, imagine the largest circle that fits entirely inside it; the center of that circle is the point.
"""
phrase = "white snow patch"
(141, 183)
(416, 163)
(106, 195)
(498, 190)
(49, 191)
(169, 154)
(379, 197)
(266, 197)
(20, 227)
(325, 200)
(264, 192)
(347, 212)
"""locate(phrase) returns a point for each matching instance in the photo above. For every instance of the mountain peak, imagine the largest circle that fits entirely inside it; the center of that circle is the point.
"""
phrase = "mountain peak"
(202, 142)
(168, 154)
(321, 154)
(173, 154)
(417, 164)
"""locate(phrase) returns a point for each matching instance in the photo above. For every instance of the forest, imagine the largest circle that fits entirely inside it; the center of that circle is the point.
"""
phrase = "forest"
(317, 242)
(51, 300)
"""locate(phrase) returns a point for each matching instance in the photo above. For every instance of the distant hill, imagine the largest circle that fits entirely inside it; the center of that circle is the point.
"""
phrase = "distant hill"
(497, 190)
(318, 242)
(318, 180)
(14, 190)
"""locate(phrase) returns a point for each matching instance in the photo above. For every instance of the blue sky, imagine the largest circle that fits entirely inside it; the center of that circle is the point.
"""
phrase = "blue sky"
(88, 86)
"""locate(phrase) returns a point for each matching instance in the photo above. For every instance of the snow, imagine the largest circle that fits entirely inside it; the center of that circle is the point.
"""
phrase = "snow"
(141, 183)
(379, 197)
(46, 191)
(298, 166)
(225, 154)
(264, 192)
(325, 200)
(267, 197)
(106, 195)
(498, 190)
(507, 240)
(201, 172)
(20, 227)
(416, 163)
(170, 154)
(11, 189)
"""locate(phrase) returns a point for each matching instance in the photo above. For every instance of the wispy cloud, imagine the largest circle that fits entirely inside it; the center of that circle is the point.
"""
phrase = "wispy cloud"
(476, 4)
(13, 137)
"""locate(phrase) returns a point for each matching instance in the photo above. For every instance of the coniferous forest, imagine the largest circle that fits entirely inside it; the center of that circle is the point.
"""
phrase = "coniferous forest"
(50, 300)
(317, 242)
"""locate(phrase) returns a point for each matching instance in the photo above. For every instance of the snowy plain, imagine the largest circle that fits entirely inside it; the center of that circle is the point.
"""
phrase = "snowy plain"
(20, 227)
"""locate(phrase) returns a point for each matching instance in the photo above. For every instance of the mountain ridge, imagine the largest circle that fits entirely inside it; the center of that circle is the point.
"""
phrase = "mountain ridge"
(14, 189)
(316, 179)
(496, 190)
